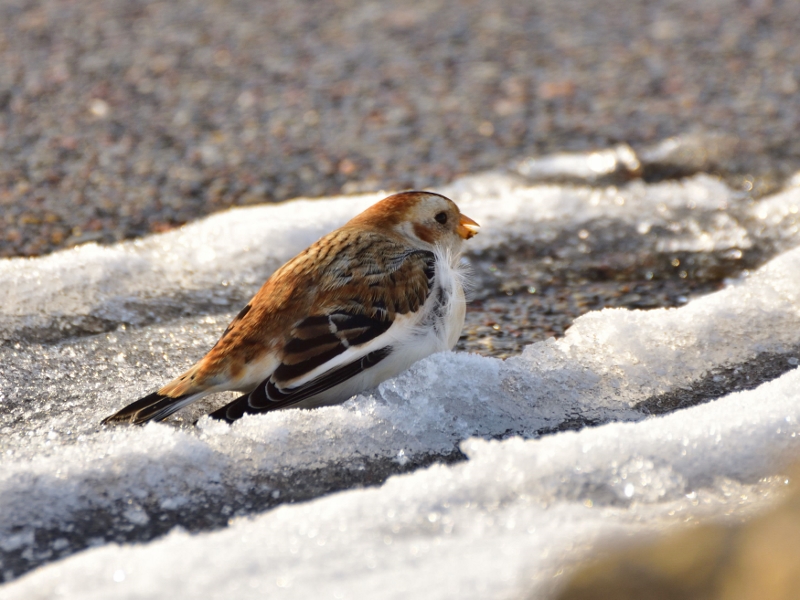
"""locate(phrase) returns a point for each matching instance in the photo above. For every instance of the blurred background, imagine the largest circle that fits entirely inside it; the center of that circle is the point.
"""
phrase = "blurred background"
(119, 118)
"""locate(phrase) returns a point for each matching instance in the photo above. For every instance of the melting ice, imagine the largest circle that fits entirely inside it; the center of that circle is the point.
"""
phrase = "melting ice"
(508, 521)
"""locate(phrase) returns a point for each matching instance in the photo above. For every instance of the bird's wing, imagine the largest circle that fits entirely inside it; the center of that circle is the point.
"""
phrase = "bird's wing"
(267, 397)
(353, 330)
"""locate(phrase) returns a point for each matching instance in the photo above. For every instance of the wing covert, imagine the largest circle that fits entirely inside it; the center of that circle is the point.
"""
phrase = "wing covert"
(356, 311)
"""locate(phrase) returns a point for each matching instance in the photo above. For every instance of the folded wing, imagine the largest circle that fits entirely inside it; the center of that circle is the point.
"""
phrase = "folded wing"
(354, 335)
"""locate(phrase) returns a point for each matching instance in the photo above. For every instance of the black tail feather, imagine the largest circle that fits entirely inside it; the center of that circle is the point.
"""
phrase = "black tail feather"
(153, 407)
(231, 411)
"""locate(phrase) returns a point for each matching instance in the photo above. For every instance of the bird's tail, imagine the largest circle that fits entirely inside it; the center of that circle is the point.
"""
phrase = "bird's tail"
(153, 407)
(179, 392)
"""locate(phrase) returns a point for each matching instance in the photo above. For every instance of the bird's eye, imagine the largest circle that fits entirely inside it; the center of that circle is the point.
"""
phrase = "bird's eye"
(441, 217)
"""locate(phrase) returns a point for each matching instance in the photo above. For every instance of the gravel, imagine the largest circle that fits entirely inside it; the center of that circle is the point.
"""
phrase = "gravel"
(119, 118)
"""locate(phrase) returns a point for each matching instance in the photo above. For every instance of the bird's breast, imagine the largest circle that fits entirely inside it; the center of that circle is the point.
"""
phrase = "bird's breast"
(445, 309)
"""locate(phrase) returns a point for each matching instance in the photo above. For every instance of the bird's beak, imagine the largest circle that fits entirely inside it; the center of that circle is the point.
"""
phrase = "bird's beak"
(467, 227)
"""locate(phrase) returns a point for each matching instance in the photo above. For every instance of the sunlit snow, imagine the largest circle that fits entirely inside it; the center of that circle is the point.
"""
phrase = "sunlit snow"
(505, 523)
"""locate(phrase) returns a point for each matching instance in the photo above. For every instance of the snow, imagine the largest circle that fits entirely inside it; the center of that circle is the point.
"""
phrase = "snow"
(506, 522)
(509, 521)
(581, 166)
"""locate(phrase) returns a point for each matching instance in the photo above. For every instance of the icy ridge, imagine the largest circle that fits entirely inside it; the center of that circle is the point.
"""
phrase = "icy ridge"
(506, 523)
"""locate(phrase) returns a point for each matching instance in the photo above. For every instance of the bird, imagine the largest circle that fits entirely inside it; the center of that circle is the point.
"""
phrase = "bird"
(357, 307)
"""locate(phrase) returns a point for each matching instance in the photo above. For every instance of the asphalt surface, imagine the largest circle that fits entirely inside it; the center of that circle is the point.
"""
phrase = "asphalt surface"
(119, 118)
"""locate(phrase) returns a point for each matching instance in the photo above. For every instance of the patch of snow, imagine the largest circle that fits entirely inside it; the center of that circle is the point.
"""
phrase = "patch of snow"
(508, 520)
(511, 521)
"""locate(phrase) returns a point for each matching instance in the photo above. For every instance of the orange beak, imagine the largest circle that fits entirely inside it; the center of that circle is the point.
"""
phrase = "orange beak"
(467, 227)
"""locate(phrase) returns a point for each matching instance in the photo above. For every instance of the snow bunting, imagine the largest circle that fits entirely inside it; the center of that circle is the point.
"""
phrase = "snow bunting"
(357, 307)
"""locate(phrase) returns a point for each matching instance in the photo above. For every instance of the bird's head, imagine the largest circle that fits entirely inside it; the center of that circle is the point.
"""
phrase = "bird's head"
(425, 219)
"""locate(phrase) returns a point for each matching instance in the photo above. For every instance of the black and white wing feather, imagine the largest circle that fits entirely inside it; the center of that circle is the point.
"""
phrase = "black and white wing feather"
(359, 330)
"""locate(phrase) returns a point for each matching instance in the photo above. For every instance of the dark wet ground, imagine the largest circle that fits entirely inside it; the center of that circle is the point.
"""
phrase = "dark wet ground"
(531, 294)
